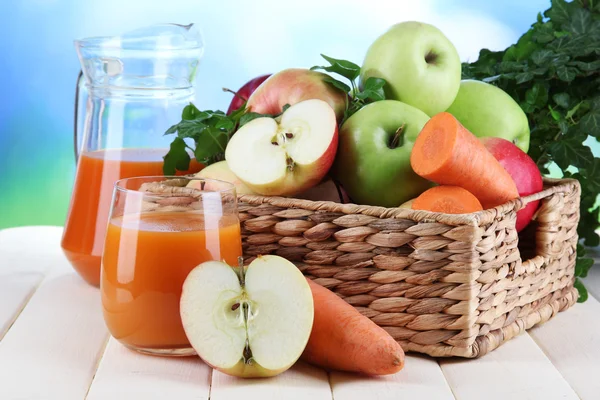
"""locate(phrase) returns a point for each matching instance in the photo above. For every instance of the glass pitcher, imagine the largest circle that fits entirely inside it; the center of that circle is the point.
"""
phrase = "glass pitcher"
(137, 85)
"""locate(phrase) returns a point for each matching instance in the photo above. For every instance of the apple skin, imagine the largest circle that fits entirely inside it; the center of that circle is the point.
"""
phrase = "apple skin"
(486, 110)
(254, 370)
(522, 169)
(421, 66)
(245, 92)
(221, 171)
(292, 86)
(371, 172)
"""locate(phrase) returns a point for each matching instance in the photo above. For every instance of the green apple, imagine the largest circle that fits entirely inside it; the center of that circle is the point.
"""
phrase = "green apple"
(419, 63)
(487, 110)
(374, 168)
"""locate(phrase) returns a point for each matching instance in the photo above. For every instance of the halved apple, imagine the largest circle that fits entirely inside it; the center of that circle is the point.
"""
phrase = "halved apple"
(219, 171)
(287, 155)
(248, 323)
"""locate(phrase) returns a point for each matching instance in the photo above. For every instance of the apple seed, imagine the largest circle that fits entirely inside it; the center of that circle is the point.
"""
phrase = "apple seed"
(235, 306)
(289, 135)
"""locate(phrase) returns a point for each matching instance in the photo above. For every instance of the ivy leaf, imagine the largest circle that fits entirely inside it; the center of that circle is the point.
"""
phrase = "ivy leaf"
(570, 151)
(524, 77)
(583, 293)
(590, 122)
(561, 99)
(566, 74)
(559, 12)
(582, 267)
(592, 174)
(542, 56)
(537, 95)
(580, 22)
(345, 68)
(177, 158)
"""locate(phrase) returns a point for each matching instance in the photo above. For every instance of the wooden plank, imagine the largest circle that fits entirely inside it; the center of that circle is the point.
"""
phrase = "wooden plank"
(52, 350)
(516, 370)
(571, 340)
(19, 275)
(300, 382)
(124, 374)
(421, 378)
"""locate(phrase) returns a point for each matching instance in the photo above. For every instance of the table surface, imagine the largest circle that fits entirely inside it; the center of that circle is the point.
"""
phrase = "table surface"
(54, 345)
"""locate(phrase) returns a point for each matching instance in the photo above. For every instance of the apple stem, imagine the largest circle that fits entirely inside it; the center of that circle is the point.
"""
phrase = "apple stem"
(397, 137)
(236, 94)
(290, 164)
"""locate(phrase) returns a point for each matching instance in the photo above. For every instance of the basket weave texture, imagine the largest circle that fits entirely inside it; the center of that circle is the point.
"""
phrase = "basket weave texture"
(444, 285)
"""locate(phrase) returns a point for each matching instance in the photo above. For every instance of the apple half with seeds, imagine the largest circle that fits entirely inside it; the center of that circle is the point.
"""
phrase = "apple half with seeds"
(286, 155)
(248, 322)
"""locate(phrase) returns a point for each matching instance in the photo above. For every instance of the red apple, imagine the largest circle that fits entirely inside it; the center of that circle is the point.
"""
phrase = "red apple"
(244, 93)
(292, 86)
(328, 190)
(287, 155)
(522, 169)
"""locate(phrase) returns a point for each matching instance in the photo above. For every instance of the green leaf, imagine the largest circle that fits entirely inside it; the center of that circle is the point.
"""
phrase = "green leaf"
(586, 66)
(524, 77)
(592, 175)
(582, 266)
(573, 110)
(559, 12)
(590, 122)
(372, 89)
(177, 158)
(544, 33)
(580, 22)
(337, 84)
(542, 56)
(583, 293)
(562, 99)
(555, 114)
(566, 74)
(537, 95)
(190, 112)
(249, 117)
(210, 145)
(570, 151)
(344, 68)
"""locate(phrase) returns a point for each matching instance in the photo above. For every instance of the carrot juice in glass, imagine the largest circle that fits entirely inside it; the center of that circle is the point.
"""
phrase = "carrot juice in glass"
(152, 243)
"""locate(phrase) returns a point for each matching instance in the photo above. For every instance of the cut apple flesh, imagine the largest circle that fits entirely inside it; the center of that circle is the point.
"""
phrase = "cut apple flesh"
(285, 155)
(252, 324)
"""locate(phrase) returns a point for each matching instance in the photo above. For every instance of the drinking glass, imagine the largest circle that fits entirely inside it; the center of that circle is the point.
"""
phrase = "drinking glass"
(154, 239)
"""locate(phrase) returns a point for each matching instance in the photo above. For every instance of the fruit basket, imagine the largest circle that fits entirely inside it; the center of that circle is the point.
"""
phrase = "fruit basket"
(440, 284)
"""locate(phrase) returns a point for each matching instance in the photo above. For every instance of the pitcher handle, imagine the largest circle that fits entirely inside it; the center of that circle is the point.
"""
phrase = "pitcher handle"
(76, 117)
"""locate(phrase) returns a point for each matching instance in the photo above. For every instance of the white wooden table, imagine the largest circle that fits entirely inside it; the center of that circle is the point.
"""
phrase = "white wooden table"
(54, 345)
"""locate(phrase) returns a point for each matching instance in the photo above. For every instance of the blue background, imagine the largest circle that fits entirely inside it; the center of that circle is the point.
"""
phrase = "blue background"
(38, 64)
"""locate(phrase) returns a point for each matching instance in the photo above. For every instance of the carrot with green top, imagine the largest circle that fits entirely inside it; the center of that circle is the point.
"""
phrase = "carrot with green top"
(343, 339)
(445, 152)
(448, 200)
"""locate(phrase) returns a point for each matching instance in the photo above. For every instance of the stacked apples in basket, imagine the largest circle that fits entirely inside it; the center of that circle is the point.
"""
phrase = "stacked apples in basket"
(403, 130)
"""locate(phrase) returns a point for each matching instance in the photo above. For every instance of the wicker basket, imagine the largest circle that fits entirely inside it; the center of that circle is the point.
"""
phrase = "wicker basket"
(444, 285)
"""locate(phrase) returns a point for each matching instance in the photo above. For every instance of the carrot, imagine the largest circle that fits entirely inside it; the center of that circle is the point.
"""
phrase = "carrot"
(445, 152)
(447, 199)
(345, 340)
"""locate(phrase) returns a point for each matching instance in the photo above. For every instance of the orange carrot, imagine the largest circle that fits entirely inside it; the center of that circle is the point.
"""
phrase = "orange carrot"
(445, 152)
(447, 199)
(345, 340)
